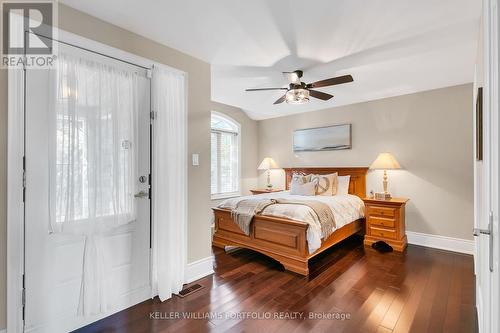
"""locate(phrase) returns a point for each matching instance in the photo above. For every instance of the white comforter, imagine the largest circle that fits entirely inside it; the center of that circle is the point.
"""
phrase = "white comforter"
(346, 209)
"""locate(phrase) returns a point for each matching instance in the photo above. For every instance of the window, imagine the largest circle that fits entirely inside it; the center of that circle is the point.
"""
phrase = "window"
(225, 157)
(94, 164)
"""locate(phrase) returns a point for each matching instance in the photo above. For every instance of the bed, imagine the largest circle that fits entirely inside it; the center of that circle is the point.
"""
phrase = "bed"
(284, 239)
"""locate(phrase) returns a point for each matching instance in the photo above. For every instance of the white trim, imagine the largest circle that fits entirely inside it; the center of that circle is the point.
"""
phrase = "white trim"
(487, 283)
(3, 331)
(15, 205)
(441, 242)
(199, 269)
(494, 85)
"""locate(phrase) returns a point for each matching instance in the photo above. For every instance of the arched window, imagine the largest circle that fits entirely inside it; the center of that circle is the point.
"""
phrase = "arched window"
(225, 156)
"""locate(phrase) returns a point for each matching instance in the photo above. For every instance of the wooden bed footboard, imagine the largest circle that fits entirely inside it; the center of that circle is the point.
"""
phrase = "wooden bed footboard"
(281, 239)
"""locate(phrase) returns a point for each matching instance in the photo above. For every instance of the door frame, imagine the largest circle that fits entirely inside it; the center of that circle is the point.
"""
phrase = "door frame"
(15, 174)
(488, 320)
(493, 11)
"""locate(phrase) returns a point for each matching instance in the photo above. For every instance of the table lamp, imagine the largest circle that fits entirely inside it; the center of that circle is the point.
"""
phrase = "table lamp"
(267, 164)
(384, 161)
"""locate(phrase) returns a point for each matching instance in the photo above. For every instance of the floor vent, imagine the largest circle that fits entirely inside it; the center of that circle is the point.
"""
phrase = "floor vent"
(189, 290)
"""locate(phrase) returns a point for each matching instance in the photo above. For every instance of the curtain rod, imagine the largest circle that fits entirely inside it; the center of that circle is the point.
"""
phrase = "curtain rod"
(92, 51)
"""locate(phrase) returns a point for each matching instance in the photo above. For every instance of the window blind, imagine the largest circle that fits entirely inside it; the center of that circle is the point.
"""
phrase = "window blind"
(224, 162)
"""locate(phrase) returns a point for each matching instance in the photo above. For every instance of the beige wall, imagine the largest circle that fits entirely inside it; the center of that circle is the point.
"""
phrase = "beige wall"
(249, 154)
(430, 133)
(198, 127)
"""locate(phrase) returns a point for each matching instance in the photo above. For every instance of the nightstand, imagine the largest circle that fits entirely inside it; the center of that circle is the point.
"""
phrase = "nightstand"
(385, 221)
(264, 190)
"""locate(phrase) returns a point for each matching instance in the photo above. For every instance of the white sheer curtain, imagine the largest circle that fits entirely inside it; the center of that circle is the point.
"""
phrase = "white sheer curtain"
(93, 160)
(169, 181)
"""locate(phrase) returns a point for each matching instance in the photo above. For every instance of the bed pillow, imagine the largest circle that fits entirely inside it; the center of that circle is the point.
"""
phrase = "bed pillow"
(308, 188)
(300, 178)
(325, 184)
(343, 185)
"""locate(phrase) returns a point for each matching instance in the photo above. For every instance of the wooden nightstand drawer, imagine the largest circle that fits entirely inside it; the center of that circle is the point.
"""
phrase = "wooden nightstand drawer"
(382, 211)
(384, 233)
(385, 221)
(381, 221)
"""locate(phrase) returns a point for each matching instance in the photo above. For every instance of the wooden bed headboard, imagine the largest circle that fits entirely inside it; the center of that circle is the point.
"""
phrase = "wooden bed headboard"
(357, 184)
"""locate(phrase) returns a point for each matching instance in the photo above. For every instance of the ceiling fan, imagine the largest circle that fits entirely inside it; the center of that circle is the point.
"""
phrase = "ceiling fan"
(299, 92)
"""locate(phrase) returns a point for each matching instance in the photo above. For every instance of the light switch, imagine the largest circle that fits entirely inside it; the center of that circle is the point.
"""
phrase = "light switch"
(196, 159)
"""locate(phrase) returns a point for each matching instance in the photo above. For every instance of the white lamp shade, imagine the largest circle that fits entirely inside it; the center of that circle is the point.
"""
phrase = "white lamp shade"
(385, 161)
(268, 163)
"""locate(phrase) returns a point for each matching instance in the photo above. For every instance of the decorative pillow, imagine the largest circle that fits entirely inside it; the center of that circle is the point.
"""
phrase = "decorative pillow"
(300, 178)
(343, 185)
(303, 189)
(325, 184)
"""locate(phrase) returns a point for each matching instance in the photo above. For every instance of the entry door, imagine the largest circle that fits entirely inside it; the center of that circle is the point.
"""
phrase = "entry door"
(54, 261)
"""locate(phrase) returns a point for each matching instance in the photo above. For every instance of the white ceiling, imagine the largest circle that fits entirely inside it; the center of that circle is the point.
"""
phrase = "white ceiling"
(390, 47)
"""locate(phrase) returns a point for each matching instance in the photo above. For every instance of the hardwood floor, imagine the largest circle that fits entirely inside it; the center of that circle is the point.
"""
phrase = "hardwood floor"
(420, 290)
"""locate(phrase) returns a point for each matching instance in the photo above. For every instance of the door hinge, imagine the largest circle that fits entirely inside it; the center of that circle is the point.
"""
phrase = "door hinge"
(152, 115)
(149, 73)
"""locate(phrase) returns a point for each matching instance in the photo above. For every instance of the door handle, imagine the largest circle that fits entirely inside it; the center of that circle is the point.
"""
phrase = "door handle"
(478, 231)
(142, 194)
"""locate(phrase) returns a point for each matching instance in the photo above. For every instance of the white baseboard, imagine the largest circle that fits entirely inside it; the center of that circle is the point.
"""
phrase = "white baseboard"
(441, 242)
(3, 331)
(199, 268)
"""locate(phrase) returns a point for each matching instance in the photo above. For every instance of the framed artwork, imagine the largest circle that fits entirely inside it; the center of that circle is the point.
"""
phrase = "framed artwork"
(335, 137)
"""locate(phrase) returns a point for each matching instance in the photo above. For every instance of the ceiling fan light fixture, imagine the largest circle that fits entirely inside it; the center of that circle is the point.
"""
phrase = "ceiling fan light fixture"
(299, 92)
(297, 96)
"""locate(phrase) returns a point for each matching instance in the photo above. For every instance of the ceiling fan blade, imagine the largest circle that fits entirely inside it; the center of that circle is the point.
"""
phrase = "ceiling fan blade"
(264, 89)
(331, 82)
(280, 100)
(320, 95)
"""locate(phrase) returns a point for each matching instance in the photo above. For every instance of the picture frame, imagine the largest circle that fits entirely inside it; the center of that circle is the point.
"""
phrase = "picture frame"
(334, 137)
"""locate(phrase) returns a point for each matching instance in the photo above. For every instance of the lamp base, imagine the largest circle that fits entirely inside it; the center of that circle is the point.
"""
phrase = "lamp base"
(269, 185)
(382, 196)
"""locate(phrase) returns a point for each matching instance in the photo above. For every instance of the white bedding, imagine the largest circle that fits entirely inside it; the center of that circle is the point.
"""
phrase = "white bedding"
(346, 209)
